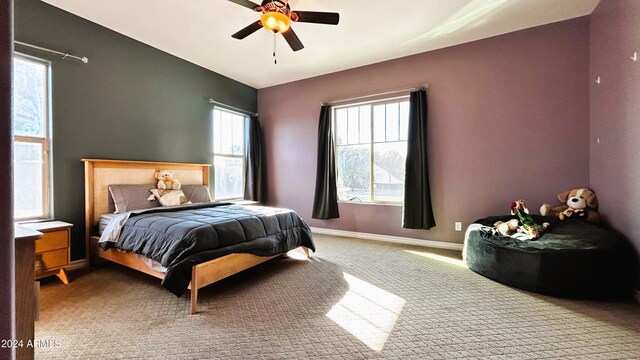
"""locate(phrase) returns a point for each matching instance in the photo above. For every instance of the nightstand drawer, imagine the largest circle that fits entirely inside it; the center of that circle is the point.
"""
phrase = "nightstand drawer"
(51, 260)
(52, 241)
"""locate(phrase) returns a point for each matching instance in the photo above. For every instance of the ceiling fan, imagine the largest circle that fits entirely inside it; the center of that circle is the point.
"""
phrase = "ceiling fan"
(277, 17)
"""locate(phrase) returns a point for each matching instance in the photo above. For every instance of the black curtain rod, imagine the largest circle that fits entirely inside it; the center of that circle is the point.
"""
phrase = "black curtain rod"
(211, 101)
(376, 94)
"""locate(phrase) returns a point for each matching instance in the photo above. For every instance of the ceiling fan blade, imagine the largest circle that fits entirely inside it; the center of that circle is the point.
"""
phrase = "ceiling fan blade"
(253, 27)
(246, 3)
(316, 17)
(293, 40)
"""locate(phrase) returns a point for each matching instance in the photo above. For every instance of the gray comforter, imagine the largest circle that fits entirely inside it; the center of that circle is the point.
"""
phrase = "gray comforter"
(183, 236)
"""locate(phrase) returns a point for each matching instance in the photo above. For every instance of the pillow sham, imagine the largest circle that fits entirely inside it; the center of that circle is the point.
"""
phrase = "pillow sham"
(170, 197)
(130, 197)
(196, 193)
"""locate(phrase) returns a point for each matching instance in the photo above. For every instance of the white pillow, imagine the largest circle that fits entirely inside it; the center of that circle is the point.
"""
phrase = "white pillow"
(170, 197)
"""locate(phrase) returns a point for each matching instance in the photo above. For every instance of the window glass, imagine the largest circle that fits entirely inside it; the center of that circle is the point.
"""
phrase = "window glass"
(372, 171)
(30, 98)
(354, 126)
(226, 133)
(28, 187)
(238, 135)
(393, 122)
(404, 120)
(217, 130)
(354, 175)
(229, 177)
(388, 172)
(379, 123)
(228, 154)
(365, 124)
(341, 126)
(31, 144)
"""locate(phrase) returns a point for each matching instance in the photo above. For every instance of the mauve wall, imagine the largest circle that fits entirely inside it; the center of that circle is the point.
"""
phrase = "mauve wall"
(615, 114)
(509, 118)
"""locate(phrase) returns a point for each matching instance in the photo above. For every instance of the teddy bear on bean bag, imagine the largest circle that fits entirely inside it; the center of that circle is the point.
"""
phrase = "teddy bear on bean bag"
(166, 180)
(576, 203)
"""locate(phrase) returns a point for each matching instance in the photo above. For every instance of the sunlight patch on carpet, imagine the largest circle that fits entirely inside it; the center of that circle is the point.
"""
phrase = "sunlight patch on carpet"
(367, 312)
(437, 257)
(297, 254)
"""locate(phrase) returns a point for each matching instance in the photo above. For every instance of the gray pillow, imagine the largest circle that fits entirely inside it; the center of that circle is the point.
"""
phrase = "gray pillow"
(132, 197)
(196, 193)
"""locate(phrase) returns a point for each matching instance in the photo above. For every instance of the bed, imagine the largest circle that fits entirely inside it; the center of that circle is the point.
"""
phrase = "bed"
(202, 264)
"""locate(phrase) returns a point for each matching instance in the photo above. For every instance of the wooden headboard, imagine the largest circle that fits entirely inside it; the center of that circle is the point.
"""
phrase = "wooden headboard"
(100, 173)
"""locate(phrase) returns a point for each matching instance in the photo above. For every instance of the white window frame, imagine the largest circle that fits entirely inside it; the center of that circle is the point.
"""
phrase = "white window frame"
(372, 143)
(226, 155)
(47, 201)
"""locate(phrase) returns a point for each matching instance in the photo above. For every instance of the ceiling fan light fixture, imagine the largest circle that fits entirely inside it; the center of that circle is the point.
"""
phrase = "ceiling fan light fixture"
(275, 22)
(276, 16)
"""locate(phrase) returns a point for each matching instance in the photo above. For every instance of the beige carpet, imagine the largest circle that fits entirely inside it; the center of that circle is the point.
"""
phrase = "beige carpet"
(353, 300)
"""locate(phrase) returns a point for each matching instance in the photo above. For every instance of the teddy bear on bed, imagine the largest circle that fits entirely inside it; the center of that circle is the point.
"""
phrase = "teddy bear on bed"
(576, 203)
(166, 181)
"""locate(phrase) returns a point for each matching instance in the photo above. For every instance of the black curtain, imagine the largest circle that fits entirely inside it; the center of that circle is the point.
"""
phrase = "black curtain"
(325, 202)
(254, 163)
(417, 213)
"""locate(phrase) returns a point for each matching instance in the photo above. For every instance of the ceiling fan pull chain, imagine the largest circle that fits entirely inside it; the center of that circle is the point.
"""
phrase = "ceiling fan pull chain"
(275, 60)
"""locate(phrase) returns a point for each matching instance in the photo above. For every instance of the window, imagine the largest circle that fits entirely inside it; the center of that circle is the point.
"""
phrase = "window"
(228, 154)
(31, 138)
(371, 144)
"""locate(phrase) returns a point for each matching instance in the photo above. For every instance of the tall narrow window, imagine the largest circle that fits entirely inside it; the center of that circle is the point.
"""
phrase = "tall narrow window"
(371, 145)
(31, 138)
(228, 154)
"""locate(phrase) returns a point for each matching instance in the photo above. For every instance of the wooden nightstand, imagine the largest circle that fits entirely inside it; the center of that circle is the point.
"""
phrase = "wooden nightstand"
(52, 251)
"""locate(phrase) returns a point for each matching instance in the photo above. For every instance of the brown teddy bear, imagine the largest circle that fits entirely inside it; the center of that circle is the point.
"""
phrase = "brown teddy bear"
(580, 203)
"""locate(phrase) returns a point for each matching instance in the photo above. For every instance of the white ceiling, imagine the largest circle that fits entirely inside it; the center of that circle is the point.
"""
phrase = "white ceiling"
(370, 31)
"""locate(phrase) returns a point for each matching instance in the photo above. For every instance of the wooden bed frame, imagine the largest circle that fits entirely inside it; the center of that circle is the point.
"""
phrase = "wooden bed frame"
(100, 173)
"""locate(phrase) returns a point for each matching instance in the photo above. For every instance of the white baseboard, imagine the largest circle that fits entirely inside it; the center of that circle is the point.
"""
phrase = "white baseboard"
(388, 238)
(77, 265)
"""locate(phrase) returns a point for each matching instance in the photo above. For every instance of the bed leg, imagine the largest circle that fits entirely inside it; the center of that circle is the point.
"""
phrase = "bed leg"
(194, 291)
(62, 275)
(194, 300)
